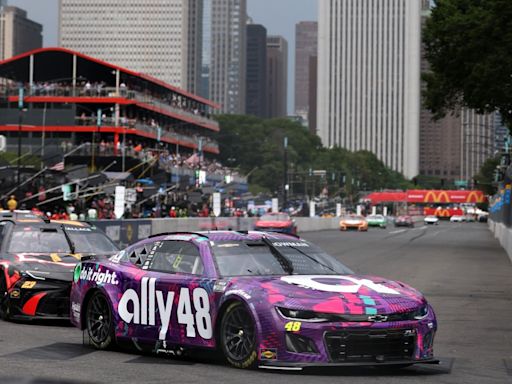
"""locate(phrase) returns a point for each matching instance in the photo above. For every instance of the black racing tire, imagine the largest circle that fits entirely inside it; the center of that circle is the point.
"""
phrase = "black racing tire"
(99, 322)
(5, 313)
(238, 337)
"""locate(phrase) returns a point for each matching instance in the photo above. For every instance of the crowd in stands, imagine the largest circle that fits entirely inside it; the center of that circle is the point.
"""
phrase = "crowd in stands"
(128, 89)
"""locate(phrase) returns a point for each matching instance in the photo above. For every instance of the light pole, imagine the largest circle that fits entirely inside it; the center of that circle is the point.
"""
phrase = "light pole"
(20, 118)
(98, 126)
(285, 175)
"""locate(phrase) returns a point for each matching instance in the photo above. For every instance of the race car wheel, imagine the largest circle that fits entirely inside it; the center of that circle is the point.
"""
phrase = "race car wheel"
(98, 321)
(238, 336)
(4, 306)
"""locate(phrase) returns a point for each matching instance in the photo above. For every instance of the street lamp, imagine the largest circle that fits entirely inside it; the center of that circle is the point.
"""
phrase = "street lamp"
(98, 125)
(285, 176)
(21, 91)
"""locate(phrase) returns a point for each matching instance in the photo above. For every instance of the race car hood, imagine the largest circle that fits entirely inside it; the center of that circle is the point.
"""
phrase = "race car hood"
(273, 224)
(352, 221)
(342, 294)
(54, 266)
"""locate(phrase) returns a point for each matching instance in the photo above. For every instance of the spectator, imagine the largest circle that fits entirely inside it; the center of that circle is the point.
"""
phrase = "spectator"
(12, 203)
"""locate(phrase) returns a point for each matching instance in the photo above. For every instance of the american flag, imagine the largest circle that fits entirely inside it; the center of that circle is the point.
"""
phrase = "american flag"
(58, 166)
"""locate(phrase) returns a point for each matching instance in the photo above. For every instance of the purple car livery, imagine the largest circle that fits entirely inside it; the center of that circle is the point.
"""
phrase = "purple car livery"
(263, 299)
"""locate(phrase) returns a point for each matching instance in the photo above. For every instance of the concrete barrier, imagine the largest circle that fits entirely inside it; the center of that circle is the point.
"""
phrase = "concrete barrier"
(503, 234)
(125, 232)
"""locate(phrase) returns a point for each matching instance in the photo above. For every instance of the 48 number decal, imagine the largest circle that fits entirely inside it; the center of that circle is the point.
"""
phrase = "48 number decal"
(293, 326)
(143, 309)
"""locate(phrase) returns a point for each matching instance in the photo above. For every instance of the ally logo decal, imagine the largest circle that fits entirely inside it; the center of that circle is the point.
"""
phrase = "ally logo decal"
(337, 284)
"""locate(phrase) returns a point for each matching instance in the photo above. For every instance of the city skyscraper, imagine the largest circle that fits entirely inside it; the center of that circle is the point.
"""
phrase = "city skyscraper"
(277, 76)
(369, 79)
(306, 46)
(228, 54)
(161, 38)
(477, 142)
(256, 73)
(18, 34)
(440, 140)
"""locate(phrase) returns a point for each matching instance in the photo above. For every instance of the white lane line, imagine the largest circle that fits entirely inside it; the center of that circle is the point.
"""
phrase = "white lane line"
(399, 231)
(415, 229)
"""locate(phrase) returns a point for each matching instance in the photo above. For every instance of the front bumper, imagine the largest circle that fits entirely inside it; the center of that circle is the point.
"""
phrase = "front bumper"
(347, 227)
(38, 300)
(300, 365)
(347, 343)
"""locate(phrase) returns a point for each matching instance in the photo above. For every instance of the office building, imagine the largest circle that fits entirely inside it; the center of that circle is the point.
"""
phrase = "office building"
(228, 54)
(306, 46)
(369, 79)
(312, 93)
(161, 38)
(277, 76)
(256, 72)
(18, 34)
(455, 147)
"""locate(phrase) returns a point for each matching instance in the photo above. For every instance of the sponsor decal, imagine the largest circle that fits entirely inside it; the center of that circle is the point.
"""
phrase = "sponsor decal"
(239, 292)
(98, 276)
(268, 354)
(15, 293)
(337, 284)
(117, 257)
(78, 229)
(220, 286)
(75, 310)
(143, 307)
(28, 285)
(290, 244)
(228, 245)
(76, 272)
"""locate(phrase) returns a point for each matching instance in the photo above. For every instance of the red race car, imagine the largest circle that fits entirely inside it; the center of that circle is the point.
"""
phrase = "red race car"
(276, 222)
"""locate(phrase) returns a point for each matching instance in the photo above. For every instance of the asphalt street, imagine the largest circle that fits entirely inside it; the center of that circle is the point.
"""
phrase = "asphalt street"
(460, 268)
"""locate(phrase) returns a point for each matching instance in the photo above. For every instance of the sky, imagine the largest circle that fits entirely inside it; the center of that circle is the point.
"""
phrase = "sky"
(278, 16)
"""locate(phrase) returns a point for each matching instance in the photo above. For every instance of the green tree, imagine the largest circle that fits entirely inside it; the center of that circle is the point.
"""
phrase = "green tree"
(255, 147)
(469, 46)
(485, 177)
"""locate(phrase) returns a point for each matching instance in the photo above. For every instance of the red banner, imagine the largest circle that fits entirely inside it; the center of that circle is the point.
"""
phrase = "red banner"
(428, 197)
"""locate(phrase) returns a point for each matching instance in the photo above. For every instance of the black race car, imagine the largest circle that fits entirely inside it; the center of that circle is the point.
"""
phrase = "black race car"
(37, 258)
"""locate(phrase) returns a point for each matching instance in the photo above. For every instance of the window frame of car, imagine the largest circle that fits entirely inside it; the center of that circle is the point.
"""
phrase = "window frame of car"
(146, 260)
(5, 238)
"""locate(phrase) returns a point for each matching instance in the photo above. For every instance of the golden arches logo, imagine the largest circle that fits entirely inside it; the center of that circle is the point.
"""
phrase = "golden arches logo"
(433, 197)
(475, 197)
(444, 213)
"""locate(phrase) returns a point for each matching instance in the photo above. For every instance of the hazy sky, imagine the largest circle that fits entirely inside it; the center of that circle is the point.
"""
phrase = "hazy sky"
(278, 16)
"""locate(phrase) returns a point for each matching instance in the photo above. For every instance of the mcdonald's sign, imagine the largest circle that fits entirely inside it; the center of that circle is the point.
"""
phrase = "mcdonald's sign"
(437, 197)
(475, 197)
(445, 197)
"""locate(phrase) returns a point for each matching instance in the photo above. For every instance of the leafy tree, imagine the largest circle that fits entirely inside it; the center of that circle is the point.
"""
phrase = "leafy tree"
(485, 177)
(255, 147)
(469, 46)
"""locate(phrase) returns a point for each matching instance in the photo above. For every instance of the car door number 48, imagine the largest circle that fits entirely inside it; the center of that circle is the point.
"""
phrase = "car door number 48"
(144, 307)
(203, 321)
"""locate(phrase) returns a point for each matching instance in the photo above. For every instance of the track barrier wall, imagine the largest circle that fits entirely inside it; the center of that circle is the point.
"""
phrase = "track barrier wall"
(126, 232)
(500, 210)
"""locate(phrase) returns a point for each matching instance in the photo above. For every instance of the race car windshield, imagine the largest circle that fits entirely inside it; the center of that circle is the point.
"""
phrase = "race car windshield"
(91, 242)
(278, 258)
(280, 217)
(36, 240)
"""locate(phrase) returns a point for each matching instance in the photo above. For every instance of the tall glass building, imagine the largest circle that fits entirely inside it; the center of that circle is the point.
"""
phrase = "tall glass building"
(161, 38)
(369, 78)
